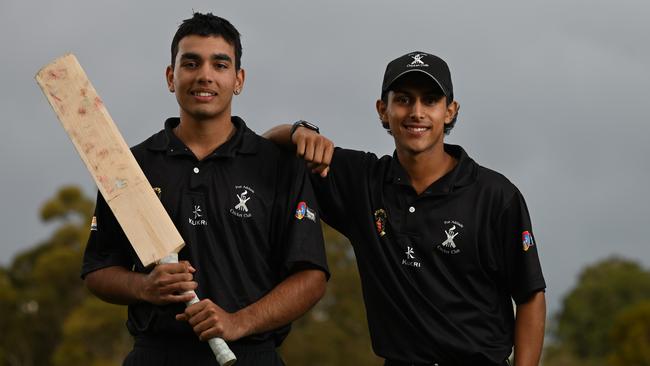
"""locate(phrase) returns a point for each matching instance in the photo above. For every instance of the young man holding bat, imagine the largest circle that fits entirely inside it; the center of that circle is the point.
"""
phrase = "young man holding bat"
(246, 210)
(443, 245)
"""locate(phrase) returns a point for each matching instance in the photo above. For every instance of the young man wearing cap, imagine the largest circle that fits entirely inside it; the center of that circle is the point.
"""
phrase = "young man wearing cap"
(443, 245)
(233, 195)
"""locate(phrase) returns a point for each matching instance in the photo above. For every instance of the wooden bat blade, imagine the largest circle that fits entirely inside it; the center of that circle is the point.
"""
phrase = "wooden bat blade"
(109, 160)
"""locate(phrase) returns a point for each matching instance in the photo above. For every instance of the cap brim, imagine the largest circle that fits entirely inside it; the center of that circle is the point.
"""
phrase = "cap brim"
(417, 70)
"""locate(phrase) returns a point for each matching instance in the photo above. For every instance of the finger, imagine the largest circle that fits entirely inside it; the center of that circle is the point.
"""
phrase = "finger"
(173, 283)
(181, 317)
(318, 152)
(188, 266)
(309, 151)
(328, 153)
(175, 298)
(325, 172)
(300, 148)
(171, 268)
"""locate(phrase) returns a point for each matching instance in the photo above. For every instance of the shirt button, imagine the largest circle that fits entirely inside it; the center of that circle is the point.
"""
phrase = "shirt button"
(411, 209)
(196, 170)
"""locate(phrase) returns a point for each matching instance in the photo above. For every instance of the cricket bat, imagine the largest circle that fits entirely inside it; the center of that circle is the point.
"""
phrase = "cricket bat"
(117, 174)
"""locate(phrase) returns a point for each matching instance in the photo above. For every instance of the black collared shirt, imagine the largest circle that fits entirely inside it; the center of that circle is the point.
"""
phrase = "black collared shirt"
(439, 270)
(247, 213)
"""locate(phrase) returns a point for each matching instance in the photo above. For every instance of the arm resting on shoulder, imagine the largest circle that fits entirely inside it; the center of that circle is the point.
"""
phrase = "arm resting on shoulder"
(316, 149)
(529, 330)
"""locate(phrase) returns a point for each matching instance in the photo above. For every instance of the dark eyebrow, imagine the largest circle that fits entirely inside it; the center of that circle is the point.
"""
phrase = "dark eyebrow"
(214, 57)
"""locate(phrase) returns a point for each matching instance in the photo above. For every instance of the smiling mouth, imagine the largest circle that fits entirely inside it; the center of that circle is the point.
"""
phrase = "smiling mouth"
(416, 129)
(204, 94)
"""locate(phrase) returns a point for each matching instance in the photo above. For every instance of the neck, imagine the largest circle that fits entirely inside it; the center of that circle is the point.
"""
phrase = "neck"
(202, 137)
(427, 167)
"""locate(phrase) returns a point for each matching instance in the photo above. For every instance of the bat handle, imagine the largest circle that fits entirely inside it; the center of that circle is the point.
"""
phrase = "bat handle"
(224, 355)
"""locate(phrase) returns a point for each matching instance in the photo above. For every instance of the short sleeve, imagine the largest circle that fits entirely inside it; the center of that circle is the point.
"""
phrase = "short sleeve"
(302, 243)
(523, 269)
(107, 244)
(344, 184)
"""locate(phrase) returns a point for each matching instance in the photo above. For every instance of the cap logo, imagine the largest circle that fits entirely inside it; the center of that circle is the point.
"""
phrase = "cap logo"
(417, 61)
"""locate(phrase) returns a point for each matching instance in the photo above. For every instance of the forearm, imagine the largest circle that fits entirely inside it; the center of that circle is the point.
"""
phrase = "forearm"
(529, 330)
(116, 285)
(280, 135)
(285, 303)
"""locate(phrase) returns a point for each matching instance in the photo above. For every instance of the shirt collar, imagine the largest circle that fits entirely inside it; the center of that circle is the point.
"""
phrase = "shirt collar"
(463, 174)
(242, 142)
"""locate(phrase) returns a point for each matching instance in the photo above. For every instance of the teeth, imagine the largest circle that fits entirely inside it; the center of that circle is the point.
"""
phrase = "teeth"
(417, 129)
(203, 94)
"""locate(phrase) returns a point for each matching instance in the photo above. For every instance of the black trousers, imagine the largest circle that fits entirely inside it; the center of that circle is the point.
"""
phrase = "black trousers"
(147, 352)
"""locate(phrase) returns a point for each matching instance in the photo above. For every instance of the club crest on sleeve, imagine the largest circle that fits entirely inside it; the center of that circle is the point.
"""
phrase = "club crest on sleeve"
(527, 240)
(303, 211)
(380, 221)
(93, 224)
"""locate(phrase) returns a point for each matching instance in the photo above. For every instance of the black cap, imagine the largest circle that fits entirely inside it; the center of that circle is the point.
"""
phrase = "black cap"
(431, 65)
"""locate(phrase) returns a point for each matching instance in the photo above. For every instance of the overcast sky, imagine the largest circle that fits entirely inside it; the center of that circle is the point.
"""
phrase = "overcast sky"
(554, 95)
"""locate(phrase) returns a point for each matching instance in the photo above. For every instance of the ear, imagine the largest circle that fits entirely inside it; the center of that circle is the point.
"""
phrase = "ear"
(169, 75)
(240, 77)
(381, 110)
(452, 111)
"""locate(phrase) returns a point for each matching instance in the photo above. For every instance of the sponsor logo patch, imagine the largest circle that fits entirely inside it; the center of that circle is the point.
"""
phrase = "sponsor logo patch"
(527, 240)
(303, 211)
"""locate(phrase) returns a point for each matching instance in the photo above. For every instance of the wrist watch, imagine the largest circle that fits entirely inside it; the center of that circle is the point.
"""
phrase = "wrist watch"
(304, 124)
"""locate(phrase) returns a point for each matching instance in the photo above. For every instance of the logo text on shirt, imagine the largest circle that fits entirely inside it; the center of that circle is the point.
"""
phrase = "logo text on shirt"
(448, 246)
(197, 220)
(243, 194)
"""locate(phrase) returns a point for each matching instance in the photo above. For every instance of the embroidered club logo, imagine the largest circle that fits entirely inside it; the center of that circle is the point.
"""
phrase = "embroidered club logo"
(452, 232)
(417, 61)
(527, 240)
(303, 211)
(198, 219)
(380, 222)
(241, 206)
(410, 259)
(243, 194)
(93, 224)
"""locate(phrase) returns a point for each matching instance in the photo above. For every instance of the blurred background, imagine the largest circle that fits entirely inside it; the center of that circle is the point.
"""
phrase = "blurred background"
(553, 95)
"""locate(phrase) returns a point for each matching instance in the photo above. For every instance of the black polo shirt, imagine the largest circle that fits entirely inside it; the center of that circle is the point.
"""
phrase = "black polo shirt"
(246, 213)
(439, 269)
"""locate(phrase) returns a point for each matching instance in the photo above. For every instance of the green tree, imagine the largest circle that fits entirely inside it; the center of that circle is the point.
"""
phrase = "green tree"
(582, 328)
(44, 283)
(335, 331)
(94, 334)
(630, 336)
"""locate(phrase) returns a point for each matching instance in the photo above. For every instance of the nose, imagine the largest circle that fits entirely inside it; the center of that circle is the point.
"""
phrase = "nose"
(205, 74)
(417, 110)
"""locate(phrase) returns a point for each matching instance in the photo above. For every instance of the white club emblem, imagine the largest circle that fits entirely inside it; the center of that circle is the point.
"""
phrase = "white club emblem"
(417, 60)
(196, 211)
(241, 206)
(451, 234)
(409, 253)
